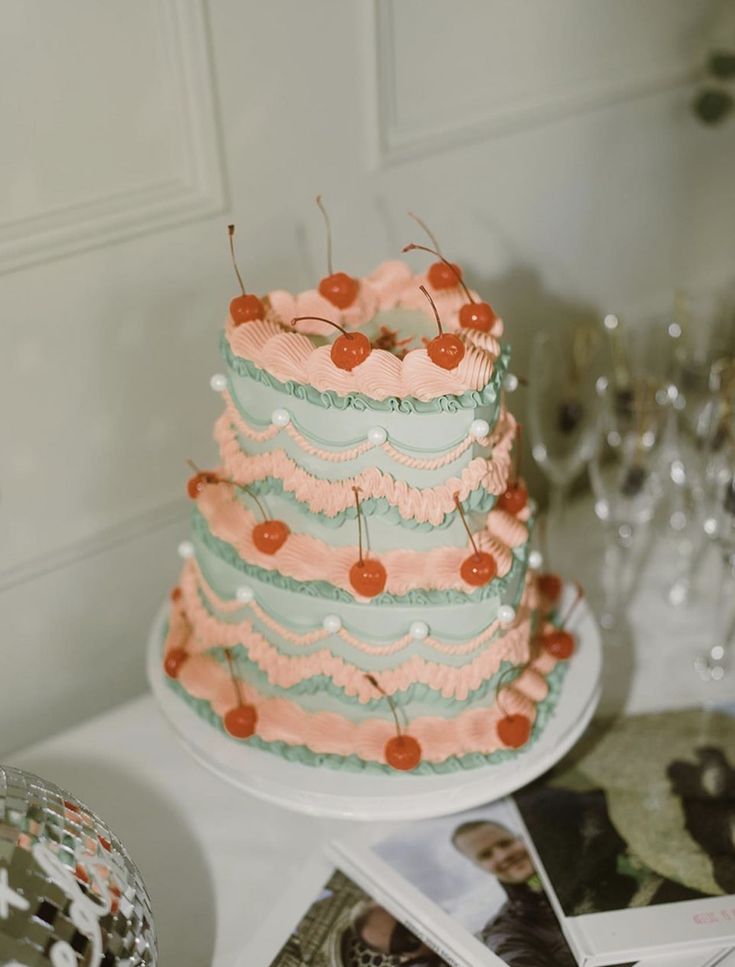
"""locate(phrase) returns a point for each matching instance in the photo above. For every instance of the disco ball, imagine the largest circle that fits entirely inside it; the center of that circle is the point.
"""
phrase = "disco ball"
(69, 893)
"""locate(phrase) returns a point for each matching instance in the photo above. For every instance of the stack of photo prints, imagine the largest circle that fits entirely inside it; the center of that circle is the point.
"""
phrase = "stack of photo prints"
(623, 854)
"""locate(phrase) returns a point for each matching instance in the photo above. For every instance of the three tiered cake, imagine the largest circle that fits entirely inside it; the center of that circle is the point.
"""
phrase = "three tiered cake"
(357, 591)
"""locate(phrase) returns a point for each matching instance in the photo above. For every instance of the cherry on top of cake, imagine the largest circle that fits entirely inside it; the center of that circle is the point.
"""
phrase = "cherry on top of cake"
(385, 347)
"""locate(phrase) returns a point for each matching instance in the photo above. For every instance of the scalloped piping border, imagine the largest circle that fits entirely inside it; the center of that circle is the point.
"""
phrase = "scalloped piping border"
(478, 500)
(327, 591)
(393, 404)
(305, 557)
(201, 604)
(353, 763)
(350, 452)
(426, 504)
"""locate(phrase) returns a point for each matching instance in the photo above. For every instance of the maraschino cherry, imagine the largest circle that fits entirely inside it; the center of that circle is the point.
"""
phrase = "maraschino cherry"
(348, 350)
(443, 274)
(549, 586)
(446, 349)
(480, 567)
(270, 534)
(338, 288)
(514, 730)
(245, 307)
(402, 752)
(472, 315)
(515, 497)
(173, 661)
(240, 721)
(201, 479)
(560, 643)
(367, 575)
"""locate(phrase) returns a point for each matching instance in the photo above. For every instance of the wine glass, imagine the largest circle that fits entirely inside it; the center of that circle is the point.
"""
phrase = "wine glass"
(694, 405)
(562, 405)
(718, 512)
(626, 472)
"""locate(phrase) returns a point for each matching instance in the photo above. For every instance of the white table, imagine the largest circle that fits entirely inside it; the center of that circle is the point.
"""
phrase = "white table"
(215, 859)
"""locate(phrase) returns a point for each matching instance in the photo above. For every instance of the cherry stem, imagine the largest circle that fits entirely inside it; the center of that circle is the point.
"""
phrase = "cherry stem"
(232, 483)
(573, 606)
(323, 210)
(374, 682)
(231, 233)
(359, 522)
(433, 306)
(516, 671)
(253, 497)
(458, 505)
(412, 247)
(233, 676)
(322, 319)
(422, 224)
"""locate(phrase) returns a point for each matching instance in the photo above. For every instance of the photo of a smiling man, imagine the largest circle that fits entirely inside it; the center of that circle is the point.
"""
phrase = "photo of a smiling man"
(525, 931)
(476, 867)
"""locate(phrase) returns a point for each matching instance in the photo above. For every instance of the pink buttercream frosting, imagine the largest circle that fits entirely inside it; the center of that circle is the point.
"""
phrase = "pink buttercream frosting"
(209, 631)
(331, 497)
(306, 558)
(282, 720)
(289, 354)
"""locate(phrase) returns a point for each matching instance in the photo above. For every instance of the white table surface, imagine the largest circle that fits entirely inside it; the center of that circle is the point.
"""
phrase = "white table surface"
(215, 859)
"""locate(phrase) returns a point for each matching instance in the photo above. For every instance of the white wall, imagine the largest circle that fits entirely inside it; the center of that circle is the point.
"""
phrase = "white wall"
(548, 143)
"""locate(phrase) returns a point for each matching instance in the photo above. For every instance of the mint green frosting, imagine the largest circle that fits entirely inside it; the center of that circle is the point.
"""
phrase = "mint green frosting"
(352, 763)
(323, 589)
(478, 501)
(358, 401)
(321, 684)
(423, 452)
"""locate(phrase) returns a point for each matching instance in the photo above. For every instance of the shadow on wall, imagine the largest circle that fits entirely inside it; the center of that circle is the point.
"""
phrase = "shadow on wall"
(527, 307)
(160, 843)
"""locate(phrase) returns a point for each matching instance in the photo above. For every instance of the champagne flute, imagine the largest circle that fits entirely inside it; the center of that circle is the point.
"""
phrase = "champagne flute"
(626, 474)
(562, 404)
(718, 514)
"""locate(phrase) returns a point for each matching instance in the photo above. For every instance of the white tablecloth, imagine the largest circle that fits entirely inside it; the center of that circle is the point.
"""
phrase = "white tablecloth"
(215, 859)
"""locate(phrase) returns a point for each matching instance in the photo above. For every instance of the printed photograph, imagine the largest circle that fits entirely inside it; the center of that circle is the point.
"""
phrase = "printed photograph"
(344, 927)
(646, 806)
(476, 867)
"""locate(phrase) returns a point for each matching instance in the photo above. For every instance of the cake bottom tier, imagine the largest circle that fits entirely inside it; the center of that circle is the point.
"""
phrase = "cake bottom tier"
(324, 705)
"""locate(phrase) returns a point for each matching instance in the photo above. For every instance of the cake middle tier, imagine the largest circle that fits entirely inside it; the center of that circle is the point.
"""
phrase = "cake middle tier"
(416, 569)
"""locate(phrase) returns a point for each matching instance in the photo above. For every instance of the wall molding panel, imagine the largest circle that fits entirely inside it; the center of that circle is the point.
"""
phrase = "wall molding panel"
(407, 129)
(104, 541)
(192, 187)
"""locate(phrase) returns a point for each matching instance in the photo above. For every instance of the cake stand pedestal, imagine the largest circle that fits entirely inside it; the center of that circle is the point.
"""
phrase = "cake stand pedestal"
(321, 791)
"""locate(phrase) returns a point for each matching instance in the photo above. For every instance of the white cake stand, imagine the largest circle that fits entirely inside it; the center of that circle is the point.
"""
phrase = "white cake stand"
(322, 791)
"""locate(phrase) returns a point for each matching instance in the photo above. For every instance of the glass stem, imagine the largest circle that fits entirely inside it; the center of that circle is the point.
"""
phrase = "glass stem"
(557, 507)
(713, 665)
(617, 558)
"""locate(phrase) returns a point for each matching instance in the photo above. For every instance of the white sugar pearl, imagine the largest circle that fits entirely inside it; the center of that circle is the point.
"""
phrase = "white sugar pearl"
(506, 614)
(218, 382)
(419, 630)
(186, 549)
(479, 429)
(332, 623)
(280, 417)
(377, 435)
(510, 383)
(535, 560)
(244, 594)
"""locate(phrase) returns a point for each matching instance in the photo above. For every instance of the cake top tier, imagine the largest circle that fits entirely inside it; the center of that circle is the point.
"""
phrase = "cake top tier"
(390, 346)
